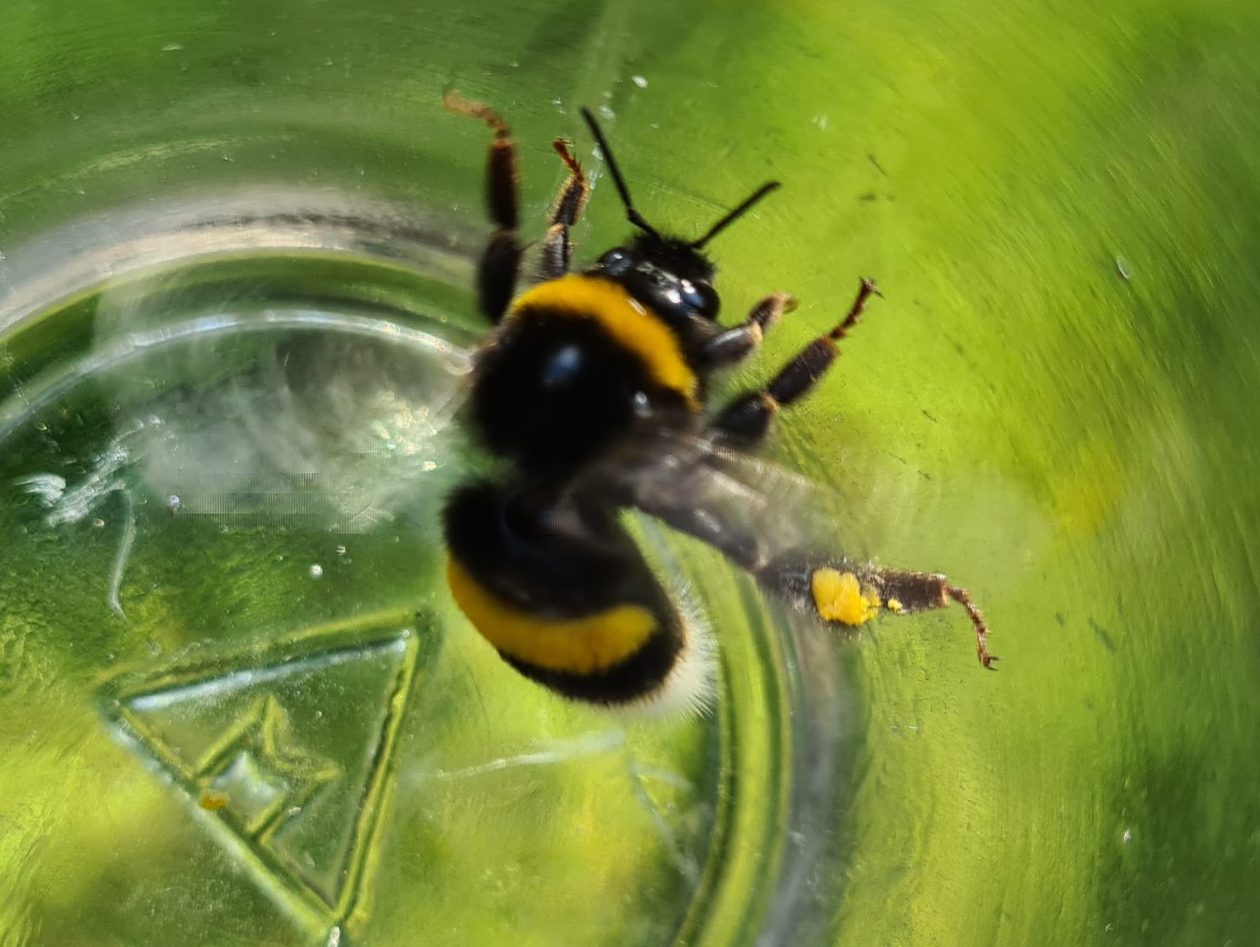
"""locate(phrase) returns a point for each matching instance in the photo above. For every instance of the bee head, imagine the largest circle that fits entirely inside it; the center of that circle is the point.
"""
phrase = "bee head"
(670, 274)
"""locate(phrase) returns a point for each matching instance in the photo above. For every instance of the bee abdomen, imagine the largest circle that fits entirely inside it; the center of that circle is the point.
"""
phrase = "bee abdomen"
(581, 614)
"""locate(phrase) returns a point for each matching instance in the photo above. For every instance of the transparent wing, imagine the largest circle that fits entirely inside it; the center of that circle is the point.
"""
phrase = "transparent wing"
(749, 508)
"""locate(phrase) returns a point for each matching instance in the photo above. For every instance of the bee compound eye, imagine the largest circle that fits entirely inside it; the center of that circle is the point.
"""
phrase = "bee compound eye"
(615, 262)
(701, 297)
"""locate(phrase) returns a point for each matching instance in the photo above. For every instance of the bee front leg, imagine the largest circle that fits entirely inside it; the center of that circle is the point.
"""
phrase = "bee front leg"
(746, 420)
(501, 259)
(736, 344)
(565, 213)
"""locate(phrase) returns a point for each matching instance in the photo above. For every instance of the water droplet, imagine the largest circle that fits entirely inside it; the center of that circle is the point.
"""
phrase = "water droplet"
(316, 571)
(341, 550)
(640, 81)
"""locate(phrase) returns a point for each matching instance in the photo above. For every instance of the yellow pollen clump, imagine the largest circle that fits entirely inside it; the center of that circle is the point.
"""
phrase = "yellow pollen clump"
(839, 596)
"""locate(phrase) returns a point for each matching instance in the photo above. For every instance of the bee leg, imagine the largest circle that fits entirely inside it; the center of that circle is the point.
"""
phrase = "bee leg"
(829, 586)
(847, 594)
(565, 212)
(501, 259)
(738, 343)
(746, 420)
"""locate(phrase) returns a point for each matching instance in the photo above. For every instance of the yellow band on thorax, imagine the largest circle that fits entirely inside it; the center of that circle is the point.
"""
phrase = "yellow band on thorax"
(574, 645)
(625, 319)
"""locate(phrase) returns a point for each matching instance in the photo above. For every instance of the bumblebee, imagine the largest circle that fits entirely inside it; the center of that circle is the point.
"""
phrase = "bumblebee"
(592, 389)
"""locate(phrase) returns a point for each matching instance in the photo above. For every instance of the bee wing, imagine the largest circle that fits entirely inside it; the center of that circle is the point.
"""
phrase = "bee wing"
(748, 507)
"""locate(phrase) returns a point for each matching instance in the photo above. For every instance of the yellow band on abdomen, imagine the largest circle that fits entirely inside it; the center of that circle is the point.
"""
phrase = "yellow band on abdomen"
(574, 645)
(631, 325)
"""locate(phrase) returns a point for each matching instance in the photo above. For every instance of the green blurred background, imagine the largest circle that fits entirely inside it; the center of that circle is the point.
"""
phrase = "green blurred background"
(1056, 404)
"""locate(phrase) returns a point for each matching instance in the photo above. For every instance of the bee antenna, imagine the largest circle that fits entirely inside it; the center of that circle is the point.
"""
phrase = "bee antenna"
(631, 213)
(735, 214)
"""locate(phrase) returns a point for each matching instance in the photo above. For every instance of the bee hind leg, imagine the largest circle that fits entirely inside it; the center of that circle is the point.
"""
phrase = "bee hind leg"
(851, 595)
(501, 259)
(827, 585)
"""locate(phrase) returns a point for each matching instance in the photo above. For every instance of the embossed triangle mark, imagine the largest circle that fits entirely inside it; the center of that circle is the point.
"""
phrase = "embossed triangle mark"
(285, 752)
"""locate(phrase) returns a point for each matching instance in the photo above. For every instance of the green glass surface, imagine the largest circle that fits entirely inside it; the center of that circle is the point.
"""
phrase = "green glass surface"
(234, 267)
